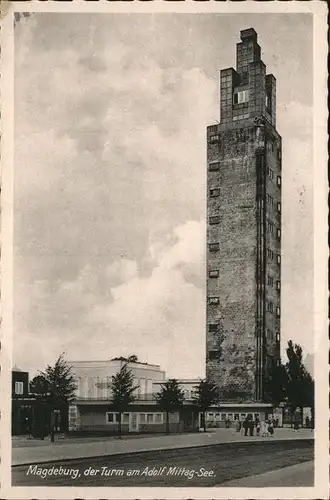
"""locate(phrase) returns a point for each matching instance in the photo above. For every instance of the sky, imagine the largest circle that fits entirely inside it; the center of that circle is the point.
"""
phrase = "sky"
(110, 176)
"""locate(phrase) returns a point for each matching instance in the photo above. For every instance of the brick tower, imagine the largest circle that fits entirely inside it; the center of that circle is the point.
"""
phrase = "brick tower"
(244, 229)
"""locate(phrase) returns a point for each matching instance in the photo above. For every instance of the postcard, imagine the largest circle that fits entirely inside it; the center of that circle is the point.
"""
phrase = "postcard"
(164, 250)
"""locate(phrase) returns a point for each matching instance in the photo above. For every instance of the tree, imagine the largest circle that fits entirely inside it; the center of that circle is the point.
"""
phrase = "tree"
(39, 387)
(276, 385)
(206, 394)
(300, 386)
(122, 390)
(132, 359)
(56, 385)
(169, 398)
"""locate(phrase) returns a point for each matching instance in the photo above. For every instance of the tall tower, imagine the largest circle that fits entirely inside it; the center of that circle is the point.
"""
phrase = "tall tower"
(244, 229)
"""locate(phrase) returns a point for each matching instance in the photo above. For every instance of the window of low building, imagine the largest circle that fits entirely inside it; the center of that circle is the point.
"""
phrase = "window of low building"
(112, 418)
(125, 418)
(19, 388)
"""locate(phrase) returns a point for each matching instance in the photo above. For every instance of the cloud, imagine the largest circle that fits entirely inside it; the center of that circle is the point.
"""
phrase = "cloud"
(163, 313)
(124, 270)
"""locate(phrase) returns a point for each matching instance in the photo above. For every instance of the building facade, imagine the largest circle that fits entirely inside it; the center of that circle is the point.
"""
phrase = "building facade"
(244, 160)
(92, 411)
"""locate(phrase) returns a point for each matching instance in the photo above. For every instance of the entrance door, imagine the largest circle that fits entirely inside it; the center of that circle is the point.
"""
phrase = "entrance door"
(133, 422)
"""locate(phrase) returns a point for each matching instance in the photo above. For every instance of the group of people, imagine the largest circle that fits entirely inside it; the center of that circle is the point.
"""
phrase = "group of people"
(262, 428)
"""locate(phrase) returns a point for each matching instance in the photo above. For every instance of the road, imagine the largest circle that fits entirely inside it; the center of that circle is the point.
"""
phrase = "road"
(201, 466)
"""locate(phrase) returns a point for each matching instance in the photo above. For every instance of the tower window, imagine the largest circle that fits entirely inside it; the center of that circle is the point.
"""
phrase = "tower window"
(214, 247)
(270, 226)
(278, 312)
(279, 207)
(270, 254)
(241, 97)
(279, 259)
(270, 307)
(214, 219)
(279, 234)
(213, 355)
(213, 327)
(269, 334)
(214, 166)
(278, 285)
(214, 300)
(270, 173)
(270, 200)
(214, 273)
(279, 154)
(277, 337)
(270, 281)
(279, 181)
(214, 138)
(214, 192)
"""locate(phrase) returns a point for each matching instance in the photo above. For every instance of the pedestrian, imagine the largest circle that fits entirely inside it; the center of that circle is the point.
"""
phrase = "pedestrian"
(251, 426)
(263, 429)
(258, 427)
(271, 428)
(307, 422)
(238, 425)
(246, 426)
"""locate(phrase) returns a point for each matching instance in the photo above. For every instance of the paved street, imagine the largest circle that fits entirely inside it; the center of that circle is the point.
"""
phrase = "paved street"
(200, 466)
(301, 474)
(37, 451)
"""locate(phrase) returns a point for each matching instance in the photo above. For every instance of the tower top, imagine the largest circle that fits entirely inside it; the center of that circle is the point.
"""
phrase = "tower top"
(249, 34)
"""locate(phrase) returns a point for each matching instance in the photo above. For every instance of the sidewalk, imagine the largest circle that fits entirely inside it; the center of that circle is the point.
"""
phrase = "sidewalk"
(72, 449)
(301, 475)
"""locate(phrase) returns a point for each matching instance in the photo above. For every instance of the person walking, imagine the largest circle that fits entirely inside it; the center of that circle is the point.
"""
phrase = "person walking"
(246, 427)
(251, 426)
(271, 428)
(263, 429)
(258, 427)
